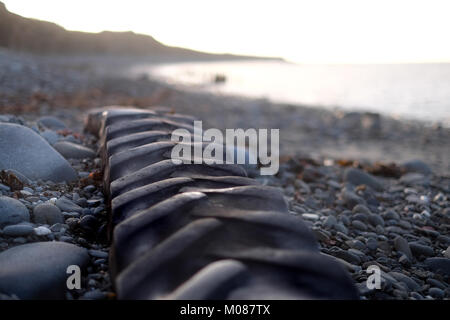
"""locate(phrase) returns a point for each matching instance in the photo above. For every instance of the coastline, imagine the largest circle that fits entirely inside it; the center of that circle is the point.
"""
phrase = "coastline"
(36, 85)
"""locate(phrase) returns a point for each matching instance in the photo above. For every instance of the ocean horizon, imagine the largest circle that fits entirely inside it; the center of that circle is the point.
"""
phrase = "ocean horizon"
(405, 91)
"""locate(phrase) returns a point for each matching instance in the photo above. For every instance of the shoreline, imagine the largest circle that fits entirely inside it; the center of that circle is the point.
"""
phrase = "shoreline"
(36, 85)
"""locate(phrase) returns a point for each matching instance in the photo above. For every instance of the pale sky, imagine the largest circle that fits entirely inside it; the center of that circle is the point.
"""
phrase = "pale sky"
(313, 31)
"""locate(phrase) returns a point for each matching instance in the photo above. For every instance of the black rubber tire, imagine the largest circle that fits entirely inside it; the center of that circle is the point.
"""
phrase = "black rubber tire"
(196, 231)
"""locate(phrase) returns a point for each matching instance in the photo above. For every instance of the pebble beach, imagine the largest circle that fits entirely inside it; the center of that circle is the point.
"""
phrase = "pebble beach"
(374, 190)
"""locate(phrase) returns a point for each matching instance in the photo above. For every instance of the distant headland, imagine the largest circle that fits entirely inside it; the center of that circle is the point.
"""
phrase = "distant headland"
(42, 37)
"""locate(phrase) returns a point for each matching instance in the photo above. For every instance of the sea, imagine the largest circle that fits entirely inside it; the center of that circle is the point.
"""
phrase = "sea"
(406, 91)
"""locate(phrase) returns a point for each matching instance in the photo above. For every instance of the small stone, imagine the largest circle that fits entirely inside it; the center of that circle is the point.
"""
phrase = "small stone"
(411, 179)
(439, 265)
(66, 239)
(12, 211)
(359, 225)
(417, 166)
(439, 197)
(58, 227)
(4, 188)
(51, 123)
(372, 244)
(47, 213)
(20, 240)
(404, 260)
(18, 230)
(346, 256)
(416, 296)
(310, 216)
(89, 188)
(94, 295)
(435, 283)
(356, 244)
(447, 253)
(401, 245)
(351, 199)
(70, 150)
(88, 223)
(42, 231)
(376, 220)
(330, 222)
(94, 202)
(412, 285)
(391, 215)
(71, 214)
(421, 250)
(98, 254)
(50, 136)
(358, 177)
(436, 293)
(67, 205)
(321, 235)
(361, 209)
(341, 228)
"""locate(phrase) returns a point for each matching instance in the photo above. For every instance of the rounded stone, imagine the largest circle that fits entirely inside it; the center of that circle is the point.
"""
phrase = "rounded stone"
(39, 270)
(436, 293)
(421, 250)
(12, 211)
(439, 265)
(70, 150)
(402, 246)
(67, 205)
(52, 123)
(417, 166)
(359, 225)
(88, 223)
(35, 158)
(359, 177)
(18, 230)
(47, 213)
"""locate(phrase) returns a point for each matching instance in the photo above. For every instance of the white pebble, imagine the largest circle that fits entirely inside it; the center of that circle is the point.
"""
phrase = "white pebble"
(425, 213)
(310, 216)
(42, 231)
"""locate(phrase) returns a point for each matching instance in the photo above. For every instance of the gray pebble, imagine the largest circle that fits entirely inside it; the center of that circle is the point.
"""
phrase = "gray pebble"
(94, 295)
(372, 244)
(436, 293)
(12, 211)
(98, 254)
(47, 213)
(421, 250)
(18, 230)
(401, 245)
(67, 205)
(359, 225)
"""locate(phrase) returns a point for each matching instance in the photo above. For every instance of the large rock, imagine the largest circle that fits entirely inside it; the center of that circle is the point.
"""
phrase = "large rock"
(417, 166)
(70, 150)
(12, 211)
(358, 177)
(24, 150)
(39, 270)
(47, 213)
(51, 123)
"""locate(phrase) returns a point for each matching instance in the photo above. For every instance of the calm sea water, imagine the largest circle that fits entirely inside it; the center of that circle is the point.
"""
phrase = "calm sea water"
(414, 91)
